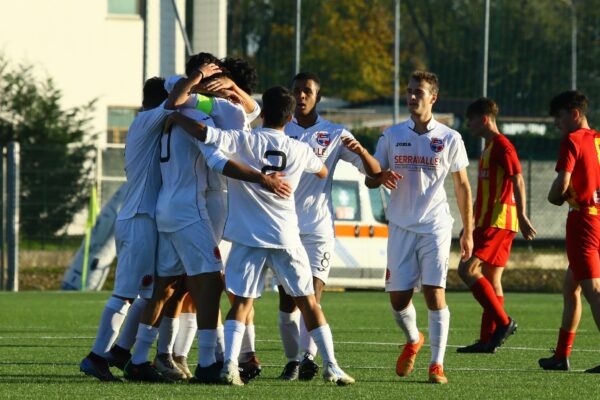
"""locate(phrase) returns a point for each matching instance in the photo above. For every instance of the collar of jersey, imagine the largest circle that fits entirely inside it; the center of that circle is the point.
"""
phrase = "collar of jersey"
(294, 120)
(271, 130)
(430, 126)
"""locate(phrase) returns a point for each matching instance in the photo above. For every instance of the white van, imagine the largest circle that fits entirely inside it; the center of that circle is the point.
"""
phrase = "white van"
(361, 231)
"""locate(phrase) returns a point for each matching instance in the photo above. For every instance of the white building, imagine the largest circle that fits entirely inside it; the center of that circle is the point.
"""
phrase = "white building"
(104, 50)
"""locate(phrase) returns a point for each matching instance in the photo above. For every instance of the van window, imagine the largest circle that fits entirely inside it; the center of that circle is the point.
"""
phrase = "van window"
(380, 198)
(346, 204)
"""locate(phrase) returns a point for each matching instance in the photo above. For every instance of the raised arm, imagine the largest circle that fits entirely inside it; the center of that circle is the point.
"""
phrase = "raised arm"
(462, 190)
(370, 164)
(525, 225)
(225, 86)
(194, 128)
(558, 193)
(181, 91)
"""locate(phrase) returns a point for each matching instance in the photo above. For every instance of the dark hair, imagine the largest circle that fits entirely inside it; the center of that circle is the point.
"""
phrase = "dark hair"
(242, 73)
(569, 100)
(428, 77)
(483, 106)
(154, 92)
(278, 106)
(307, 76)
(195, 61)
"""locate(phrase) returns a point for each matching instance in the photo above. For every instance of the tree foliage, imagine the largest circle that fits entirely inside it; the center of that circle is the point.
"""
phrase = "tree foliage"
(56, 149)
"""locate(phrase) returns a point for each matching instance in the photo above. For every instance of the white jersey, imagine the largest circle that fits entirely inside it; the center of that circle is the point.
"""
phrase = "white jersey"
(257, 217)
(141, 163)
(181, 200)
(419, 204)
(313, 196)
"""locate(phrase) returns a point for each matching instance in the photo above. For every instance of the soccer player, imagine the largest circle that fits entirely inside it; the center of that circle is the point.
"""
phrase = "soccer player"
(578, 184)
(499, 212)
(264, 228)
(135, 230)
(177, 332)
(186, 246)
(416, 156)
(331, 143)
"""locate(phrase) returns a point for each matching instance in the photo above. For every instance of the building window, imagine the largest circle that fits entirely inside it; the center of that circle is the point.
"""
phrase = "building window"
(124, 7)
(119, 119)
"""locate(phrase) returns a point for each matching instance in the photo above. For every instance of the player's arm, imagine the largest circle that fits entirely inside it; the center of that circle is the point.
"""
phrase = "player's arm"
(322, 173)
(271, 182)
(183, 87)
(194, 128)
(462, 190)
(387, 178)
(371, 165)
(525, 224)
(558, 193)
(226, 87)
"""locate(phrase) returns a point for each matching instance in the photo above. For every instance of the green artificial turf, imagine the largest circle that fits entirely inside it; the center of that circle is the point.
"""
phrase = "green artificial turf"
(44, 336)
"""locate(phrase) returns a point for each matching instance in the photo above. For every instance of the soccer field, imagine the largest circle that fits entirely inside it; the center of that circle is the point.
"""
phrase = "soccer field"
(44, 335)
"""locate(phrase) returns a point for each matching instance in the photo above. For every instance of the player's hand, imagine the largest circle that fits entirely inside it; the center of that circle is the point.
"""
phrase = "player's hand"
(209, 70)
(390, 179)
(466, 245)
(275, 184)
(231, 96)
(353, 145)
(218, 84)
(527, 228)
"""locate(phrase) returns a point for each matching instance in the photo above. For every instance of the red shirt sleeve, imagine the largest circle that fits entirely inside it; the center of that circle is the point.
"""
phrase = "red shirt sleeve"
(506, 156)
(567, 155)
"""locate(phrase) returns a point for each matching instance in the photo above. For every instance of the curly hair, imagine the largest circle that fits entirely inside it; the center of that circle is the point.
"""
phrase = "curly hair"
(242, 73)
(195, 61)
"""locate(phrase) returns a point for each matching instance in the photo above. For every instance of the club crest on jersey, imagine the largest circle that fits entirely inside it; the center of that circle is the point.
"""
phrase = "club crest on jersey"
(323, 139)
(436, 145)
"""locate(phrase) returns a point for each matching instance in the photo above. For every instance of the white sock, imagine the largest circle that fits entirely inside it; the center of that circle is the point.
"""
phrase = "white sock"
(111, 320)
(307, 344)
(188, 326)
(144, 339)
(289, 329)
(234, 332)
(439, 323)
(207, 342)
(130, 327)
(220, 349)
(247, 343)
(407, 321)
(324, 340)
(167, 331)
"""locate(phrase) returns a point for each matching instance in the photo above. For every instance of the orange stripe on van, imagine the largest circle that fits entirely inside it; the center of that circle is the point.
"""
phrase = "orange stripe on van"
(363, 231)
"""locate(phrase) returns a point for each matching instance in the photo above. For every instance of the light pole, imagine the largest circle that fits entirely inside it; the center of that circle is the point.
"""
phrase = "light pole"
(397, 61)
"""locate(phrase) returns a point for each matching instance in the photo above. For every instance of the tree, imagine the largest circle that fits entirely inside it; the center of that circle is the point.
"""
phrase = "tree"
(57, 150)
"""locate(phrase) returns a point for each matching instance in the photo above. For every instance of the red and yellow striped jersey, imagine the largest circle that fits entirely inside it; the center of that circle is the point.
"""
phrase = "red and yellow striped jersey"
(495, 203)
(580, 155)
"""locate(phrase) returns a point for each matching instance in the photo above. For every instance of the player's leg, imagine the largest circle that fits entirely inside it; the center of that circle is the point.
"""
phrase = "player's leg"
(249, 363)
(188, 327)
(120, 354)
(591, 291)
(289, 330)
(291, 268)
(167, 332)
(488, 325)
(319, 255)
(402, 276)
(491, 246)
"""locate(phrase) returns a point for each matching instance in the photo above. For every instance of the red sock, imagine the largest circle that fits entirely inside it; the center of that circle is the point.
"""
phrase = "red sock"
(565, 343)
(488, 325)
(484, 293)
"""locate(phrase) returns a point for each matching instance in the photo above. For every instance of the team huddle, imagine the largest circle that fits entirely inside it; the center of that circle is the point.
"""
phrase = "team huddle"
(197, 173)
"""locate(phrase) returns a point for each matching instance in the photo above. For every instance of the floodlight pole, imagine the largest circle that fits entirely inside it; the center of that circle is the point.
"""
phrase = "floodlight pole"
(396, 61)
(486, 49)
(298, 25)
(573, 46)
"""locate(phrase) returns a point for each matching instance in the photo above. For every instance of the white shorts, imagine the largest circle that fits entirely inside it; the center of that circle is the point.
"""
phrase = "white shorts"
(319, 257)
(136, 240)
(416, 258)
(191, 250)
(216, 204)
(247, 267)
